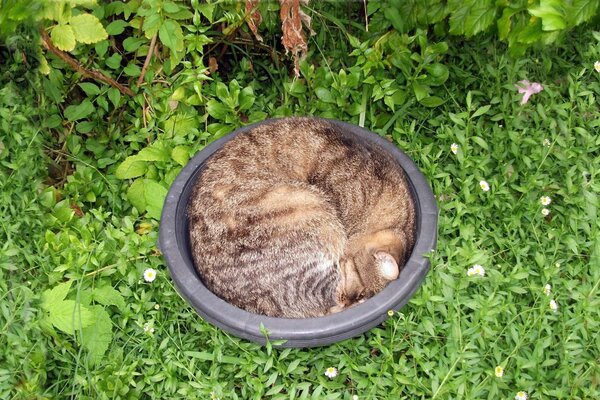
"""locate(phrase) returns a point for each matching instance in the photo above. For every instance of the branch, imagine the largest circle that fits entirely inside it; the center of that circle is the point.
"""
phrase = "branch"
(76, 65)
(147, 62)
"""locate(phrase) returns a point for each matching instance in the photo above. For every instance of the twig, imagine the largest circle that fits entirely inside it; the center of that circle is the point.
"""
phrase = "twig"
(76, 65)
(147, 62)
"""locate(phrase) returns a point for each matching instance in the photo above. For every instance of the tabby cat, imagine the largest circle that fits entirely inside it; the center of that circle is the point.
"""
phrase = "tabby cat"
(296, 219)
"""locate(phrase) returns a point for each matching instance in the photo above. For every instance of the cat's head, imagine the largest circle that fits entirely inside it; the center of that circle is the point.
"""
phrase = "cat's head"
(366, 274)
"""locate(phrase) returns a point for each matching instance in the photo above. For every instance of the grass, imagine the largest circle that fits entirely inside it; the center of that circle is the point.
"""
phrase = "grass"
(445, 344)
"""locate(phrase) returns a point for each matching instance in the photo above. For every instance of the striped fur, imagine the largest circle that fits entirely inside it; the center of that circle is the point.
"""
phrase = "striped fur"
(294, 219)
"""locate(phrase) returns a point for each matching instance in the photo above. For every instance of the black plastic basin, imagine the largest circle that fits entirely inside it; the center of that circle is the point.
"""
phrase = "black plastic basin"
(174, 243)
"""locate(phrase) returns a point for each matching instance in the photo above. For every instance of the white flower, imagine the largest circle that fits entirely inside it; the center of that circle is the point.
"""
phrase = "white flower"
(476, 270)
(547, 289)
(148, 328)
(521, 396)
(484, 186)
(545, 200)
(553, 305)
(149, 274)
(597, 66)
(547, 142)
(454, 148)
(391, 313)
(499, 371)
(157, 306)
(354, 397)
(545, 212)
(331, 372)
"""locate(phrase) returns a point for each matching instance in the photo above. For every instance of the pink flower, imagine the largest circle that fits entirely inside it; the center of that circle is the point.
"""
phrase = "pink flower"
(528, 88)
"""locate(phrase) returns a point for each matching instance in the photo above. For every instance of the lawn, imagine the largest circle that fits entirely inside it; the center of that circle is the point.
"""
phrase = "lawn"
(511, 303)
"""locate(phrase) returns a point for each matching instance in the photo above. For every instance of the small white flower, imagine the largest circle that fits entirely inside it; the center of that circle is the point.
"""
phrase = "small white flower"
(484, 186)
(499, 371)
(547, 142)
(391, 313)
(148, 328)
(597, 66)
(521, 396)
(553, 305)
(476, 270)
(547, 289)
(545, 212)
(331, 372)
(149, 274)
(454, 148)
(545, 200)
(354, 397)
(157, 306)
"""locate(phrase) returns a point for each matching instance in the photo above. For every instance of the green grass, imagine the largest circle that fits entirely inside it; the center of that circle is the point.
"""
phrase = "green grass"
(444, 344)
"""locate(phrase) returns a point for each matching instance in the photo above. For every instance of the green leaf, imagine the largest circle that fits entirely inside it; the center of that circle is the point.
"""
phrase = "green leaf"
(69, 316)
(155, 152)
(131, 168)
(135, 195)
(97, 336)
(504, 22)
(154, 194)
(480, 17)
(181, 155)
(216, 109)
(116, 27)
(63, 37)
(438, 74)
(246, 98)
(79, 111)
(56, 294)
(431, 101)
(107, 295)
(87, 28)
(324, 95)
(549, 12)
(480, 111)
(582, 11)
(421, 91)
(115, 96)
(170, 35)
(89, 88)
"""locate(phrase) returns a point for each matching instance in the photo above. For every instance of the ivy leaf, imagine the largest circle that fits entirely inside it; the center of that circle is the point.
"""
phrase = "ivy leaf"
(108, 296)
(63, 37)
(69, 316)
(132, 167)
(87, 28)
(97, 336)
(154, 194)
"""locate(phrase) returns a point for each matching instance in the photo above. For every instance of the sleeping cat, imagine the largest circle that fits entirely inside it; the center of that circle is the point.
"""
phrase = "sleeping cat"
(294, 219)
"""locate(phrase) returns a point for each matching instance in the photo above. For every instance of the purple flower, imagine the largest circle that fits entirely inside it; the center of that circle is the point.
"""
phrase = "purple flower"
(528, 88)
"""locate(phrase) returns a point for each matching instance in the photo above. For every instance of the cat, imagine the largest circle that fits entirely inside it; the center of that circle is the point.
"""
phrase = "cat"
(295, 219)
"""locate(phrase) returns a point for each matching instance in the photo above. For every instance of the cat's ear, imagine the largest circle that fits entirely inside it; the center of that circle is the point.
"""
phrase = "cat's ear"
(388, 267)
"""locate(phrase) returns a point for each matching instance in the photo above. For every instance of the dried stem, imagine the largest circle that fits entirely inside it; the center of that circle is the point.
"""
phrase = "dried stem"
(77, 66)
(147, 62)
